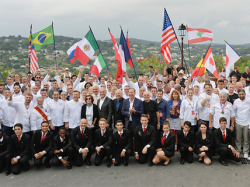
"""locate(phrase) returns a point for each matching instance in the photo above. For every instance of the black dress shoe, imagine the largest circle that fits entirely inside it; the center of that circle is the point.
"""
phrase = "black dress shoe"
(201, 161)
(27, 167)
(47, 165)
(69, 167)
(223, 162)
(108, 162)
(7, 173)
(125, 162)
(150, 164)
(182, 161)
(88, 162)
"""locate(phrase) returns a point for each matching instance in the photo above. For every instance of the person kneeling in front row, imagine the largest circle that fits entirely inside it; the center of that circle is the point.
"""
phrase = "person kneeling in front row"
(167, 148)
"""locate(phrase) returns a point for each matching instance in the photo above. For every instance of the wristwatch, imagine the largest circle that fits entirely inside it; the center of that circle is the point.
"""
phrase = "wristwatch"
(232, 125)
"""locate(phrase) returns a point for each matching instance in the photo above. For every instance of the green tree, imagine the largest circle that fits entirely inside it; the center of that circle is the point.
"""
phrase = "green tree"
(150, 61)
(219, 62)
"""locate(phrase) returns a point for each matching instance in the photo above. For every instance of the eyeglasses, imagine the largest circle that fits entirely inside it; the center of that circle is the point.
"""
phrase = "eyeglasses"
(88, 98)
(63, 95)
(38, 77)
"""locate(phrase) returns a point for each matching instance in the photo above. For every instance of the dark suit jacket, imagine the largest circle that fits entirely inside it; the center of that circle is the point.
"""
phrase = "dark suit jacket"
(105, 140)
(20, 148)
(106, 110)
(5, 146)
(62, 145)
(121, 143)
(36, 145)
(185, 142)
(95, 113)
(79, 141)
(138, 105)
(141, 139)
(118, 114)
(169, 144)
(209, 140)
(219, 138)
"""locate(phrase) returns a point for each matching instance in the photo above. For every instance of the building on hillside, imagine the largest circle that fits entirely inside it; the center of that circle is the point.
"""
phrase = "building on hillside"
(13, 58)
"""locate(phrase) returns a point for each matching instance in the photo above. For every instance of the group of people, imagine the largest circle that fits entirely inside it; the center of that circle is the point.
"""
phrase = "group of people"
(68, 118)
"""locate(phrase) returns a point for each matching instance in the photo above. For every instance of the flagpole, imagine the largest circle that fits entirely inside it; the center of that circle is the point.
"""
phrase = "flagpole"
(189, 52)
(4, 81)
(177, 41)
(54, 44)
(29, 51)
(237, 53)
(100, 51)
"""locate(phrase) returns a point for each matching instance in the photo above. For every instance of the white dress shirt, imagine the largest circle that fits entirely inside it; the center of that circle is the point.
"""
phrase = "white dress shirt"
(72, 113)
(223, 90)
(131, 103)
(36, 119)
(89, 114)
(96, 97)
(188, 111)
(55, 110)
(7, 113)
(101, 102)
(242, 111)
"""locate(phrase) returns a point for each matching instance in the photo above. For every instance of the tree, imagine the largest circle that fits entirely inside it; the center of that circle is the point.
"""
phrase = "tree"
(219, 62)
(150, 61)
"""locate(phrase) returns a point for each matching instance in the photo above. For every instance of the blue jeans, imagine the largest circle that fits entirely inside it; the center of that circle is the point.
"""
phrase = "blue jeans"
(192, 128)
(55, 132)
(7, 130)
(207, 122)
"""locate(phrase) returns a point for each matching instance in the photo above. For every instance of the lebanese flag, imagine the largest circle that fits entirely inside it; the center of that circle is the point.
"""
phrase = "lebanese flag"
(231, 58)
(98, 65)
(209, 62)
(198, 35)
(83, 50)
(200, 69)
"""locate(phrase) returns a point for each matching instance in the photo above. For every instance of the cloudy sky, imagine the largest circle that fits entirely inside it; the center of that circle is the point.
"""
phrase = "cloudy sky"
(228, 19)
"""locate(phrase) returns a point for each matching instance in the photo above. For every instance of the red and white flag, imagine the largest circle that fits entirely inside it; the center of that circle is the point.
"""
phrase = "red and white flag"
(198, 35)
(209, 62)
(231, 58)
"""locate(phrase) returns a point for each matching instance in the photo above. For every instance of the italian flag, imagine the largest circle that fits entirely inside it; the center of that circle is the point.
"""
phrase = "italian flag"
(198, 35)
(98, 65)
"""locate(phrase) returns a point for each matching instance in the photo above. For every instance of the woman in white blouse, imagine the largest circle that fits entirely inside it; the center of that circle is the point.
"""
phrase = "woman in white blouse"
(84, 93)
(188, 111)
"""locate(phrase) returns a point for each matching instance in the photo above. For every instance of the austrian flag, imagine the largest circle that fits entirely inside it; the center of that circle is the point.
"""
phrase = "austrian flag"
(198, 35)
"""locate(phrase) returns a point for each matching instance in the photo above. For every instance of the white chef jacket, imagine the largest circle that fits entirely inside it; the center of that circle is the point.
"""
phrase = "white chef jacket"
(36, 119)
(55, 111)
(7, 113)
(186, 109)
(242, 111)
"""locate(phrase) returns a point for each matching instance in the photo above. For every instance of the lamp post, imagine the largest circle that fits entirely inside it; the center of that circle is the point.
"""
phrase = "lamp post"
(182, 32)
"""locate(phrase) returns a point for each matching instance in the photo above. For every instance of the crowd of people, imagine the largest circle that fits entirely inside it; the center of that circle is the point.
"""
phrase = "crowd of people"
(66, 119)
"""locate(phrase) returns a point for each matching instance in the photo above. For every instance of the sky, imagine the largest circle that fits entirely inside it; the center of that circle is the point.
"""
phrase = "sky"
(228, 19)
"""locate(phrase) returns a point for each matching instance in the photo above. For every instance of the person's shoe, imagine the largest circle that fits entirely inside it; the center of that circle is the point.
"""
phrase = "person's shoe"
(69, 167)
(202, 160)
(88, 162)
(245, 155)
(27, 167)
(248, 158)
(7, 172)
(182, 161)
(150, 163)
(47, 165)
(125, 162)
(167, 164)
(108, 164)
(223, 162)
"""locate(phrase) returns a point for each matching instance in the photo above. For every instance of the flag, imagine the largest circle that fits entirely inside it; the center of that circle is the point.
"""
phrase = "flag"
(198, 35)
(98, 65)
(167, 37)
(231, 58)
(44, 37)
(209, 62)
(83, 50)
(129, 63)
(32, 54)
(200, 69)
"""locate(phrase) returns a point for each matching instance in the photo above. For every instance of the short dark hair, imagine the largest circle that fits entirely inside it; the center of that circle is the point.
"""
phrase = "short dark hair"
(18, 125)
(38, 81)
(208, 84)
(62, 129)
(159, 81)
(44, 89)
(118, 121)
(166, 123)
(44, 122)
(160, 90)
(154, 88)
(234, 76)
(188, 123)
(144, 116)
(222, 80)
(222, 119)
(55, 91)
(17, 84)
(202, 123)
(73, 76)
(241, 90)
(150, 66)
(24, 88)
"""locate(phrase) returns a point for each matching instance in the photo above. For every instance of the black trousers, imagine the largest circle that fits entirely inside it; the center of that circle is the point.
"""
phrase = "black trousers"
(186, 154)
(118, 159)
(5, 162)
(105, 152)
(131, 128)
(78, 156)
(68, 152)
(22, 162)
(143, 158)
(38, 162)
(226, 153)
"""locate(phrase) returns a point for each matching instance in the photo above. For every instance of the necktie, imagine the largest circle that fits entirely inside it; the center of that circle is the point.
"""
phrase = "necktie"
(103, 133)
(185, 135)
(43, 138)
(224, 137)
(82, 133)
(163, 140)
(144, 130)
(19, 138)
(62, 139)
(120, 135)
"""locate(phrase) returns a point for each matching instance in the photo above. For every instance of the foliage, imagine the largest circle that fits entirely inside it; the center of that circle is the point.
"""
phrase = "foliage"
(150, 61)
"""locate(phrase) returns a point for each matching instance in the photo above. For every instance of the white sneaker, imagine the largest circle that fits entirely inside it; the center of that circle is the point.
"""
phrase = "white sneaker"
(248, 158)
(245, 155)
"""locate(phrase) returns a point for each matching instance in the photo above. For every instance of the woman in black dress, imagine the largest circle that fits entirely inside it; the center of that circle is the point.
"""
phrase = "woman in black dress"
(204, 144)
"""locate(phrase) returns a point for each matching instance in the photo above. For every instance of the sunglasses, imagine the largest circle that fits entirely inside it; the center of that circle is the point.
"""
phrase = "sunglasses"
(88, 98)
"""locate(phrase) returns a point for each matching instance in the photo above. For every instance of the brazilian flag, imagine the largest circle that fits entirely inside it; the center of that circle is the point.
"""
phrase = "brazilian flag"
(44, 37)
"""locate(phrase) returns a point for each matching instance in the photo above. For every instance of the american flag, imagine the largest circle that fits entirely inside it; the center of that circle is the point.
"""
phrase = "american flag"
(168, 36)
(32, 54)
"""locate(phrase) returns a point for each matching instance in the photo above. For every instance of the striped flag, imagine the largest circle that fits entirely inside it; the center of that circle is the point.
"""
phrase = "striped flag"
(168, 36)
(198, 35)
(32, 54)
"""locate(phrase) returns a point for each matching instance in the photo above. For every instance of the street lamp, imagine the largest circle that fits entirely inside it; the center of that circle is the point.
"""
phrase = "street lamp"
(182, 32)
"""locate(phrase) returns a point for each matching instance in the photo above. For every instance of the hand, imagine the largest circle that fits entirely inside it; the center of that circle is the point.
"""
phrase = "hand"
(158, 126)
(113, 161)
(190, 149)
(37, 156)
(92, 126)
(109, 74)
(122, 154)
(160, 149)
(133, 110)
(178, 111)
(57, 151)
(234, 152)
(50, 69)
(61, 85)
(182, 125)
(165, 68)
(136, 156)
(207, 98)
(81, 69)
(52, 127)
(84, 152)
(67, 125)
(14, 161)
(205, 148)
(201, 149)
(130, 111)
(197, 117)
(98, 149)
(65, 162)
(40, 154)
(210, 126)
(145, 150)
(232, 128)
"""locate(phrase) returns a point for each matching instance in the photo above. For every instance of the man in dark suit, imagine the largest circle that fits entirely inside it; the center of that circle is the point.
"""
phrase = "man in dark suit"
(81, 138)
(122, 145)
(117, 107)
(62, 148)
(5, 152)
(103, 143)
(20, 145)
(223, 140)
(185, 143)
(145, 141)
(104, 105)
(42, 144)
(132, 109)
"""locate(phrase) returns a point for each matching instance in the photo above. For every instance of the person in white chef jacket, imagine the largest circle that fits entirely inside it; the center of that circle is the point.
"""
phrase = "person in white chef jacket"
(72, 112)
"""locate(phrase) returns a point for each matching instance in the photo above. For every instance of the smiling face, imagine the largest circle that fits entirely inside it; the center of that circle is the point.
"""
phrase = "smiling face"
(83, 123)
(45, 127)
(165, 128)
(119, 126)
(144, 121)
